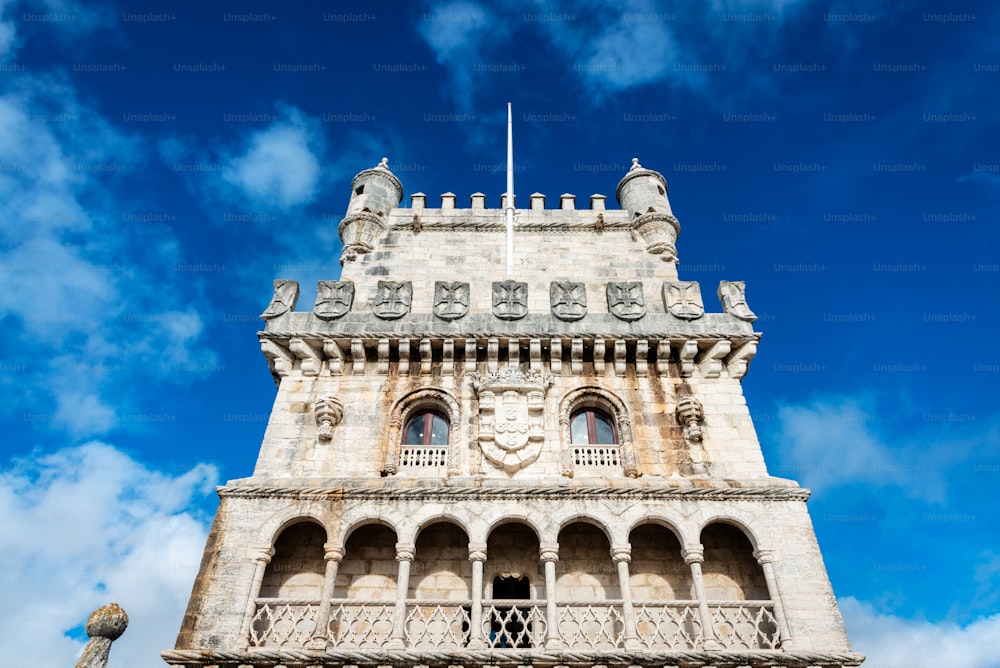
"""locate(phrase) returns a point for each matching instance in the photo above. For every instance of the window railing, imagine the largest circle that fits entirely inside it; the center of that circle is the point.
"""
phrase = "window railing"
(596, 455)
(423, 456)
(514, 624)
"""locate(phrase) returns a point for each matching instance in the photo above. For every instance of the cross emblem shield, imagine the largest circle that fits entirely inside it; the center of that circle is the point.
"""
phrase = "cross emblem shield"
(683, 300)
(451, 300)
(510, 300)
(286, 294)
(568, 300)
(625, 300)
(333, 299)
(392, 299)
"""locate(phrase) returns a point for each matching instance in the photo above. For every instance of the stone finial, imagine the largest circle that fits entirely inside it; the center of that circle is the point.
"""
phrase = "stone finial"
(383, 164)
(635, 165)
(104, 626)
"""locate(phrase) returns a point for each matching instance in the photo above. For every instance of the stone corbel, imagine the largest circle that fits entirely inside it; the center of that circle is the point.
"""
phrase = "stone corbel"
(329, 413)
(739, 359)
(686, 356)
(335, 355)
(305, 351)
(710, 361)
(278, 358)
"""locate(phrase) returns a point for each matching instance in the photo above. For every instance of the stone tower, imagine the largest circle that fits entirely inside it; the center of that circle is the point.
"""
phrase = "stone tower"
(464, 469)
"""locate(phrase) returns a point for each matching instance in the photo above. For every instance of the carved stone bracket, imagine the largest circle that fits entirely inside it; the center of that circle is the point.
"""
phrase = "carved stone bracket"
(279, 359)
(307, 352)
(690, 415)
(329, 413)
(511, 404)
(659, 231)
(360, 232)
(738, 361)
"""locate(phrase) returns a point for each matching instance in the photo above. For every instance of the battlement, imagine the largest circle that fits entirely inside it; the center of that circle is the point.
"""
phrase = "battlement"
(567, 202)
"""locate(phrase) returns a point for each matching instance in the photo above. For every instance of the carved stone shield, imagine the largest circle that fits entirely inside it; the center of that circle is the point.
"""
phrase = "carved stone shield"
(286, 294)
(511, 406)
(510, 300)
(625, 300)
(333, 299)
(392, 299)
(568, 300)
(732, 294)
(683, 300)
(451, 300)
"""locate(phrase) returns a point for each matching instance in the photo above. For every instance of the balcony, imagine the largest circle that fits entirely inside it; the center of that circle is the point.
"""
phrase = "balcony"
(511, 624)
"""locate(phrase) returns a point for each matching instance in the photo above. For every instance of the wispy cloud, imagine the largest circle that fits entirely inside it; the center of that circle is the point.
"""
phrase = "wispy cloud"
(89, 525)
(890, 641)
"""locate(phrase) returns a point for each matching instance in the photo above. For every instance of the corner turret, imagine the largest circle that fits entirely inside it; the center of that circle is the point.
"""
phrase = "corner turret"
(374, 192)
(643, 193)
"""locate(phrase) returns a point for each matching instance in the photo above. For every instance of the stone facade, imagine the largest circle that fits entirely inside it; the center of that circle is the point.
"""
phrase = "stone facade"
(463, 468)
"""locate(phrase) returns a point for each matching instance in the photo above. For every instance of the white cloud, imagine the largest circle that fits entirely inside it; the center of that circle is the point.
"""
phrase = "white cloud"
(280, 167)
(894, 642)
(89, 525)
(79, 283)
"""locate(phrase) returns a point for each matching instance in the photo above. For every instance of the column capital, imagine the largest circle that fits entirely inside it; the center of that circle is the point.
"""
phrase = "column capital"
(477, 551)
(621, 553)
(262, 553)
(548, 552)
(764, 556)
(405, 552)
(693, 555)
(333, 552)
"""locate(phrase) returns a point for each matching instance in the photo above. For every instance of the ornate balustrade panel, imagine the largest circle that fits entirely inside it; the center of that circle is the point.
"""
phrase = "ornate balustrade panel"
(596, 455)
(423, 456)
(437, 625)
(279, 622)
(355, 624)
(668, 625)
(513, 624)
(745, 624)
(592, 626)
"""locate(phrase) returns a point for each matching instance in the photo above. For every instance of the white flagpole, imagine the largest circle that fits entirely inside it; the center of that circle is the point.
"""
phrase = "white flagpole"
(510, 196)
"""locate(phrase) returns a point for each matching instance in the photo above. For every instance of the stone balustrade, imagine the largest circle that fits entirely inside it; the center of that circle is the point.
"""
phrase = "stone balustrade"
(513, 624)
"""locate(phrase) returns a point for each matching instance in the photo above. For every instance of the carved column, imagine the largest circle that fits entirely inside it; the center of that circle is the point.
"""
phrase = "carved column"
(549, 554)
(404, 555)
(334, 554)
(262, 557)
(622, 556)
(391, 462)
(766, 560)
(477, 555)
(693, 557)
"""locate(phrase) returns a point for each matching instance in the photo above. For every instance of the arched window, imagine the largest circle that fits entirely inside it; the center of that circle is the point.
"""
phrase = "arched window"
(592, 426)
(426, 427)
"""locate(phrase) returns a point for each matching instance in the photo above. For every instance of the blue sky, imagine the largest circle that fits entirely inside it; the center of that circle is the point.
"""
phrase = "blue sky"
(160, 165)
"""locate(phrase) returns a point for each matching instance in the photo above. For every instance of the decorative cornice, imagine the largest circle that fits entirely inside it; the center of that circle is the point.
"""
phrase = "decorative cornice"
(509, 658)
(458, 494)
(372, 334)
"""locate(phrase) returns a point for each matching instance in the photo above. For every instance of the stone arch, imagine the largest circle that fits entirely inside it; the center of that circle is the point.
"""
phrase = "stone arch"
(593, 395)
(751, 527)
(512, 551)
(441, 569)
(358, 516)
(585, 571)
(433, 513)
(429, 397)
(303, 511)
(297, 568)
(368, 570)
(658, 571)
(729, 568)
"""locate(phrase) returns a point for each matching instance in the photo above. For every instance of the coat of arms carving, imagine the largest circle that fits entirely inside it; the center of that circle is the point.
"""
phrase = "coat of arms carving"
(733, 296)
(568, 300)
(286, 294)
(451, 300)
(392, 299)
(510, 300)
(683, 300)
(333, 299)
(511, 424)
(625, 300)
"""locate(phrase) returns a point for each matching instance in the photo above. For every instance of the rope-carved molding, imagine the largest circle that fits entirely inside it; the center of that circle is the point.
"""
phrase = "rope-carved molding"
(507, 657)
(458, 494)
